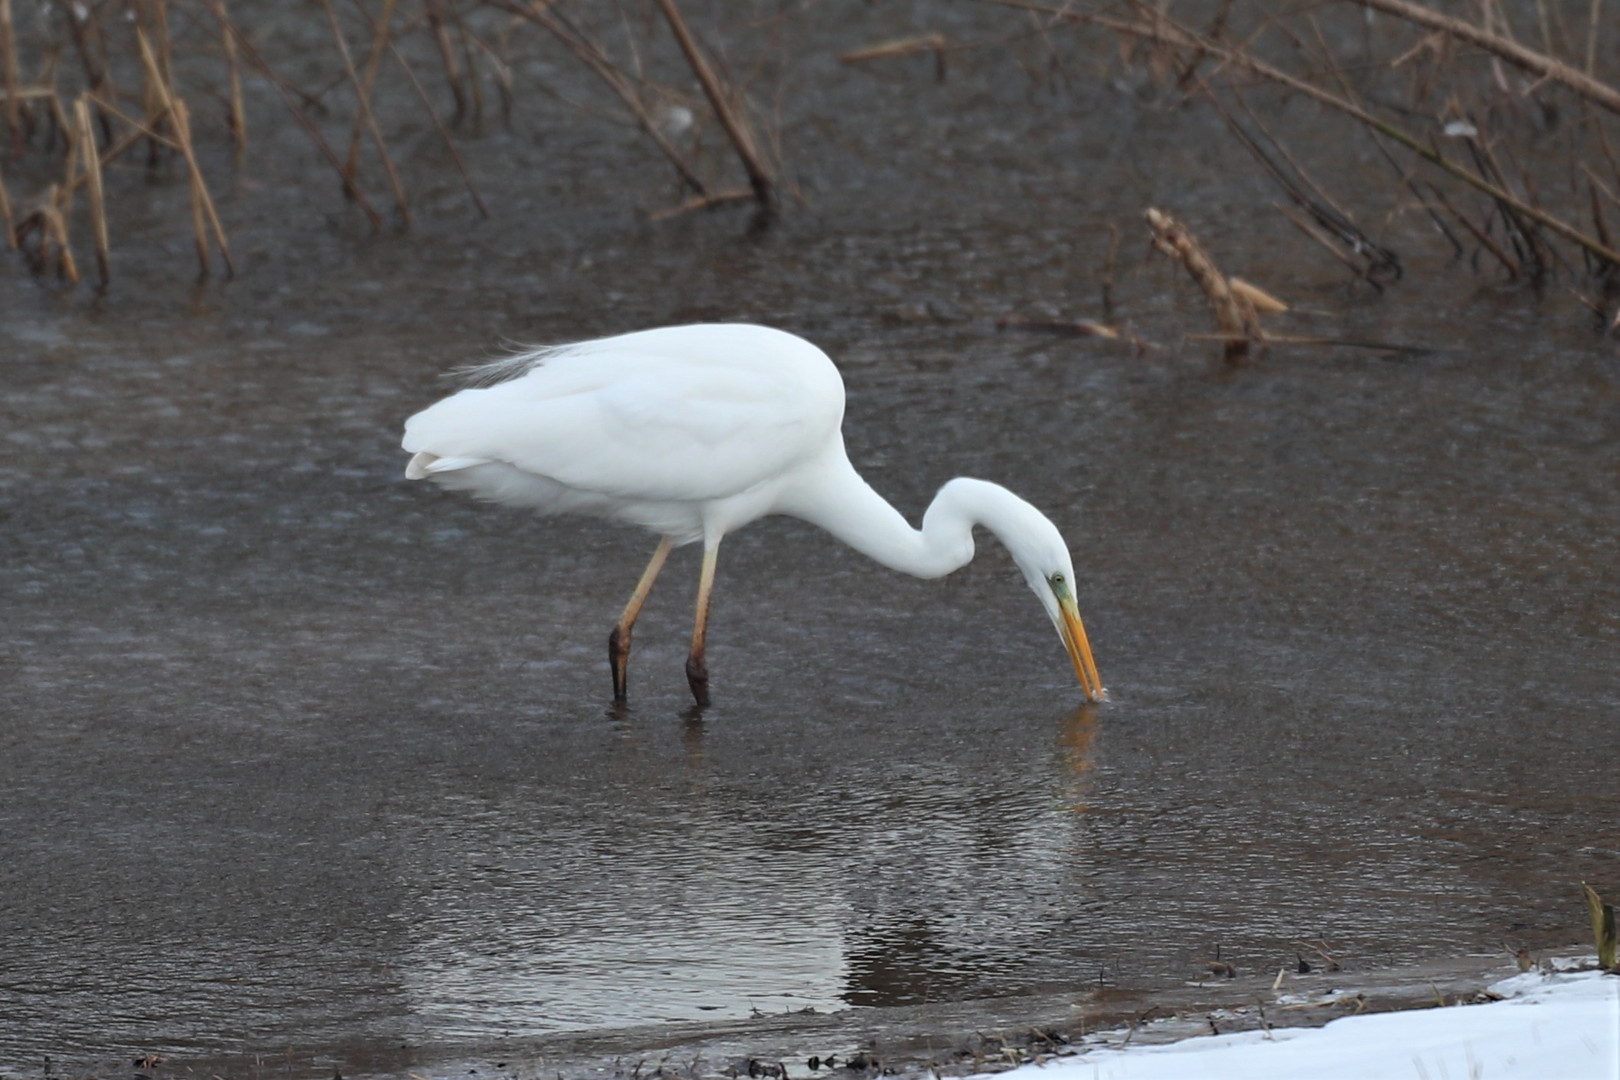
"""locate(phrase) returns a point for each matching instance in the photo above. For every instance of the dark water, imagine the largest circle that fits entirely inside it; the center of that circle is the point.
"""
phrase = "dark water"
(296, 754)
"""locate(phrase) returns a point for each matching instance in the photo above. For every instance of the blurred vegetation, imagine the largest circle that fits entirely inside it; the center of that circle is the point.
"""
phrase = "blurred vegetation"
(1496, 124)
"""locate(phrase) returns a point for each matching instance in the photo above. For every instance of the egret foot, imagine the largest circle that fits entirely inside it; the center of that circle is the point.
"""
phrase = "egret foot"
(697, 677)
(619, 640)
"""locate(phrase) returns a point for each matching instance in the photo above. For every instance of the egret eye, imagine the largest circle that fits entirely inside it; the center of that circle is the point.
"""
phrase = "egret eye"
(1057, 579)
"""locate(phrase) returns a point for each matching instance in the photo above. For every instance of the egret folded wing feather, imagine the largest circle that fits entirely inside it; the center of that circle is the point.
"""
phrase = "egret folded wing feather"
(630, 426)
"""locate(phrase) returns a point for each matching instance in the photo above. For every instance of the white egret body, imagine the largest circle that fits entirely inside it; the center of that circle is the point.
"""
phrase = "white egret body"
(694, 431)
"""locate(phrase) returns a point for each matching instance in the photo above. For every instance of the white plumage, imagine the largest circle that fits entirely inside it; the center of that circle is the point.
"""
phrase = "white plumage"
(694, 431)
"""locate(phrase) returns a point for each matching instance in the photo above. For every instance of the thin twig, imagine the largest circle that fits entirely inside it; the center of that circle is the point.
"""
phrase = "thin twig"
(702, 202)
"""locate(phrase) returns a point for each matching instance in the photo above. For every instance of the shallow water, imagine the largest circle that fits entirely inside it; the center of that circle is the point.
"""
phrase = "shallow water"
(296, 753)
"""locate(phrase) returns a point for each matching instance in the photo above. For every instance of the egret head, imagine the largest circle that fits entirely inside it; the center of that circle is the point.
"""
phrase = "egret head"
(1034, 544)
(1044, 559)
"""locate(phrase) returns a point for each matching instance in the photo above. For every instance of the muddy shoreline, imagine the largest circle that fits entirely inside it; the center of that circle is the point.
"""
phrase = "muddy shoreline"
(947, 1039)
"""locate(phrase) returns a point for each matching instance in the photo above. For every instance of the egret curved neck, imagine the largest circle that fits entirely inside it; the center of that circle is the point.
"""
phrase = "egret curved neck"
(844, 504)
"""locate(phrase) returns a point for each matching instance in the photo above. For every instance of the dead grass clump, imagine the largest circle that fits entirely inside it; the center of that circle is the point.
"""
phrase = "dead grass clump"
(86, 88)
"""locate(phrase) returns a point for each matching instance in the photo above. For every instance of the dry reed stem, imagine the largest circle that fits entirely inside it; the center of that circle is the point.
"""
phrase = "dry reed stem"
(447, 53)
(933, 43)
(379, 39)
(9, 77)
(63, 199)
(165, 47)
(137, 132)
(1109, 263)
(154, 87)
(1301, 339)
(1536, 63)
(94, 75)
(592, 56)
(736, 126)
(1262, 301)
(203, 214)
(1061, 327)
(96, 197)
(1329, 242)
(6, 218)
(199, 222)
(702, 202)
(47, 220)
(1234, 314)
(238, 111)
(473, 84)
(363, 100)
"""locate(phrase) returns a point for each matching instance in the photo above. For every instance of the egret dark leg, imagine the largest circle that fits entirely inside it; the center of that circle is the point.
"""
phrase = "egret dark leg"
(697, 668)
(619, 640)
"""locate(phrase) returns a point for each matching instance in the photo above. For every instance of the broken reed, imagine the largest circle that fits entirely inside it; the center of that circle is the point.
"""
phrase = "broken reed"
(130, 54)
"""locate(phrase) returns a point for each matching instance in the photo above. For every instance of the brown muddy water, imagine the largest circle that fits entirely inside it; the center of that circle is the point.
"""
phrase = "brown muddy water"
(300, 760)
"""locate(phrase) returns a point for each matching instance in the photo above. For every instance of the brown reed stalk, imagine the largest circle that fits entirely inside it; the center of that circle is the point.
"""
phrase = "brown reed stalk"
(238, 112)
(363, 100)
(199, 221)
(154, 92)
(203, 214)
(96, 196)
(379, 39)
(6, 218)
(1235, 315)
(447, 54)
(702, 202)
(473, 83)
(95, 71)
(934, 43)
(46, 219)
(736, 126)
(67, 267)
(10, 81)
(165, 47)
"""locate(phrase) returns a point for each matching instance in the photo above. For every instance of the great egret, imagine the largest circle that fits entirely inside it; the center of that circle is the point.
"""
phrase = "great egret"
(693, 431)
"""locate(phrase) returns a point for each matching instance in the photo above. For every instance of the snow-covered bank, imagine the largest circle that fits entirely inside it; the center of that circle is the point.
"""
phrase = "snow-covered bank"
(1551, 1027)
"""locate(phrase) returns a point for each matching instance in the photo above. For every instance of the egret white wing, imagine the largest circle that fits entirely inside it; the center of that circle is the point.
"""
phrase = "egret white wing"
(632, 423)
